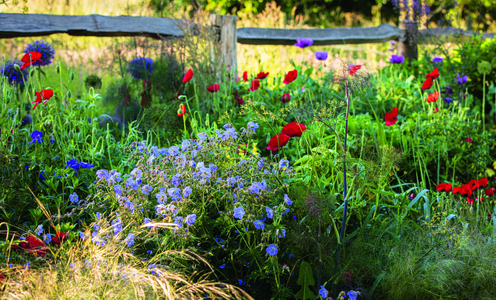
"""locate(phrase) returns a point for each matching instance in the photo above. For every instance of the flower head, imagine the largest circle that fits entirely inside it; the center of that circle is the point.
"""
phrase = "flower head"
(141, 68)
(391, 117)
(255, 84)
(323, 292)
(36, 136)
(461, 79)
(434, 74)
(443, 187)
(187, 77)
(181, 111)
(291, 76)
(277, 141)
(252, 126)
(272, 249)
(44, 96)
(396, 59)
(32, 57)
(321, 55)
(427, 84)
(46, 51)
(285, 98)
(262, 75)
(303, 42)
(14, 76)
(245, 76)
(294, 129)
(213, 88)
(239, 212)
(259, 224)
(432, 97)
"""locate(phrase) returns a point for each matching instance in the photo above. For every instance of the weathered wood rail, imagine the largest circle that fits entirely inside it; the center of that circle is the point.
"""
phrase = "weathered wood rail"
(25, 25)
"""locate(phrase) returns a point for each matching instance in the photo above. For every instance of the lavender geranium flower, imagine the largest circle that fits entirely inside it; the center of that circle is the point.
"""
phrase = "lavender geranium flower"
(118, 189)
(190, 219)
(283, 163)
(103, 174)
(259, 224)
(287, 200)
(141, 68)
(270, 212)
(321, 55)
(252, 126)
(47, 238)
(323, 292)
(303, 42)
(146, 189)
(396, 59)
(129, 240)
(161, 197)
(461, 79)
(272, 249)
(239, 212)
(36, 136)
(187, 191)
(15, 75)
(39, 230)
(45, 49)
(352, 295)
(74, 198)
(174, 193)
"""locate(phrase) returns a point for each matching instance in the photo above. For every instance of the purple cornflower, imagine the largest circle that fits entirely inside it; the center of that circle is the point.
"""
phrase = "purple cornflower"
(321, 55)
(272, 249)
(141, 68)
(396, 59)
(36, 136)
(19, 76)
(461, 79)
(303, 42)
(45, 49)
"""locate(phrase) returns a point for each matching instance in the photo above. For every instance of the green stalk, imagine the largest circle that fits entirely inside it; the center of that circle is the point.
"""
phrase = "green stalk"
(484, 102)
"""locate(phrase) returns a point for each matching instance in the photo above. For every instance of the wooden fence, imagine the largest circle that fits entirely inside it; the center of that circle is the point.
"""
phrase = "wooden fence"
(24, 25)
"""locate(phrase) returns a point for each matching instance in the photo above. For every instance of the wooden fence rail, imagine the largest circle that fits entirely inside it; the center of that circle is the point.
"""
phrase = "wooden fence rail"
(24, 25)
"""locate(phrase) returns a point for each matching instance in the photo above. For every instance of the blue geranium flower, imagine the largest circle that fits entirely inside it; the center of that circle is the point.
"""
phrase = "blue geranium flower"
(287, 200)
(252, 126)
(187, 191)
(272, 249)
(190, 219)
(141, 68)
(239, 212)
(86, 165)
(15, 76)
(352, 295)
(36, 136)
(129, 240)
(323, 292)
(45, 49)
(73, 163)
(47, 238)
(74, 198)
(259, 224)
(270, 212)
(39, 230)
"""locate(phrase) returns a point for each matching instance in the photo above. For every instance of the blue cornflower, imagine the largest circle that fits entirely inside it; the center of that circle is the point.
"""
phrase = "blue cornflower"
(47, 238)
(461, 79)
(283, 163)
(252, 126)
(39, 230)
(447, 100)
(174, 193)
(323, 292)
(149, 251)
(74, 198)
(239, 212)
(45, 49)
(270, 212)
(129, 240)
(118, 189)
(42, 175)
(146, 189)
(352, 295)
(176, 180)
(438, 61)
(187, 191)
(287, 200)
(259, 224)
(303, 42)
(36, 136)
(27, 120)
(19, 76)
(141, 68)
(272, 249)
(190, 219)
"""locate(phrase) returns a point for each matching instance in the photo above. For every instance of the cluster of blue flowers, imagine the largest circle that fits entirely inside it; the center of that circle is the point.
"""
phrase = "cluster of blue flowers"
(45, 49)
(141, 68)
(74, 164)
(15, 75)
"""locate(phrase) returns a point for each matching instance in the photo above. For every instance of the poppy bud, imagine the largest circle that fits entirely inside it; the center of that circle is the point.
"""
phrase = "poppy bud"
(69, 94)
(17, 67)
(71, 76)
(57, 68)
(31, 72)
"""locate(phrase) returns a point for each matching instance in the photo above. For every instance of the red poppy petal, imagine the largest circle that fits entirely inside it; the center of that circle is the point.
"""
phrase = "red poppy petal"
(294, 129)
(427, 84)
(277, 141)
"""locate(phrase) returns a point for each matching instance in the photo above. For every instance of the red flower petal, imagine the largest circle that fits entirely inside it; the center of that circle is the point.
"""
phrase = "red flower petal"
(483, 182)
(391, 117)
(290, 77)
(432, 97)
(181, 111)
(245, 76)
(277, 141)
(444, 187)
(473, 185)
(436, 110)
(427, 84)
(35, 56)
(457, 190)
(262, 75)
(490, 192)
(354, 69)
(187, 77)
(255, 84)
(213, 88)
(294, 129)
(434, 74)
(466, 191)
(470, 201)
(285, 98)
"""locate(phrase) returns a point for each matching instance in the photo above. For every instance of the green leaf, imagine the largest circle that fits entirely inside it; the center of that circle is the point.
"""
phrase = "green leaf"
(305, 280)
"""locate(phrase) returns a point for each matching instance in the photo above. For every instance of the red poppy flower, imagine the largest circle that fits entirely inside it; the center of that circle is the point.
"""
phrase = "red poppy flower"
(490, 192)
(187, 77)
(432, 97)
(391, 117)
(444, 187)
(427, 84)
(436, 110)
(60, 237)
(240, 100)
(483, 182)
(36, 246)
(354, 69)
(181, 111)
(245, 76)
(434, 74)
(470, 200)
(466, 191)
(294, 129)
(27, 60)
(469, 140)
(277, 141)
(291, 76)
(213, 88)
(44, 96)
(262, 75)
(285, 98)
(473, 185)
(255, 84)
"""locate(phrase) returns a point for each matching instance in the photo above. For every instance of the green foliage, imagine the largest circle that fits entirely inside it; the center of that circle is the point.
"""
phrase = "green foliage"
(305, 280)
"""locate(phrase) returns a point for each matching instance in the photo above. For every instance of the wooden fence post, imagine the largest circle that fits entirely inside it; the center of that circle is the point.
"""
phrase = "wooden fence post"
(228, 40)
(407, 45)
